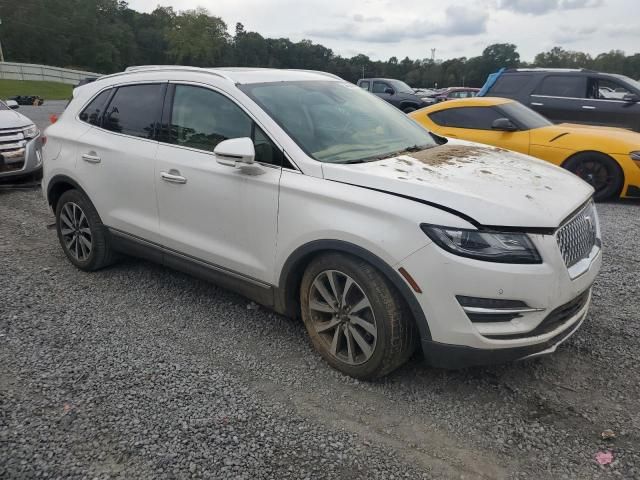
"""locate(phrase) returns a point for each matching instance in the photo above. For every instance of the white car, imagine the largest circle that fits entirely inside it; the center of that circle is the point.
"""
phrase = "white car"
(316, 199)
(20, 145)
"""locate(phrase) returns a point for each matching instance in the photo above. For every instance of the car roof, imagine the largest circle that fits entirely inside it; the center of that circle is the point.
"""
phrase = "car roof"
(236, 75)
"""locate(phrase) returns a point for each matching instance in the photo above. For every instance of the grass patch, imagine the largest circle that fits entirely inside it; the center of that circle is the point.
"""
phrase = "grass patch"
(46, 90)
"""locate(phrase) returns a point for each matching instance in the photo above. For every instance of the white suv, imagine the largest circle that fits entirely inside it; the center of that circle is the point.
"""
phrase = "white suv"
(317, 199)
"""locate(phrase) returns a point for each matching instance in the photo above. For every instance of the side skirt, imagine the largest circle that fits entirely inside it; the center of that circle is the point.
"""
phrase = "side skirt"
(251, 288)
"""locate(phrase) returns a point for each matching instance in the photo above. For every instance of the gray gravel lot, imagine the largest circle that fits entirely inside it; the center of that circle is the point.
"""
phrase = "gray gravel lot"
(137, 371)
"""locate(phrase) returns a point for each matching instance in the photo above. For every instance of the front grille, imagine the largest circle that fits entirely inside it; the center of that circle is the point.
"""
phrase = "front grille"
(577, 237)
(552, 321)
(12, 150)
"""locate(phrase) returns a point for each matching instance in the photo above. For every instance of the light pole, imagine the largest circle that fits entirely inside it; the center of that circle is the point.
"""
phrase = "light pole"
(1, 54)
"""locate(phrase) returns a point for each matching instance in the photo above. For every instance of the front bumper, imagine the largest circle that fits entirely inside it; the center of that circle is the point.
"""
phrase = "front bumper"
(20, 159)
(456, 341)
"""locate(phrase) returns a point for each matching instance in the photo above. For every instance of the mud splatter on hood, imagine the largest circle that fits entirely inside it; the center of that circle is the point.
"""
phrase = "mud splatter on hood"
(492, 185)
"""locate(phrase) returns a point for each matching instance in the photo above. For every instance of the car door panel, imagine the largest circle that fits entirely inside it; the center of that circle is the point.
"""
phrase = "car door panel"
(213, 212)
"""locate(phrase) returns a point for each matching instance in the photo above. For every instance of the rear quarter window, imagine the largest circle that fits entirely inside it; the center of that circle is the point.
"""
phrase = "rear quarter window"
(509, 84)
(92, 113)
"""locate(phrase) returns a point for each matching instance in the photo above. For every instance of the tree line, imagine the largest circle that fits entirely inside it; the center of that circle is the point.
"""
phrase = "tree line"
(106, 36)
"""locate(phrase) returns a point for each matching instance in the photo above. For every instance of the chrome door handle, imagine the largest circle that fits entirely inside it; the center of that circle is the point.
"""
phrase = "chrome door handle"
(588, 107)
(91, 157)
(173, 176)
(537, 104)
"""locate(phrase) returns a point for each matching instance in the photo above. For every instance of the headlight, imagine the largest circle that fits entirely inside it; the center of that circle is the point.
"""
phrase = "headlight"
(635, 156)
(502, 247)
(30, 132)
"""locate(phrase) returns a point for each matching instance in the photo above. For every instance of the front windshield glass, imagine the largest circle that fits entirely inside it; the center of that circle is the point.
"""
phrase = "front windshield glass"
(337, 122)
(524, 116)
(400, 87)
(3, 106)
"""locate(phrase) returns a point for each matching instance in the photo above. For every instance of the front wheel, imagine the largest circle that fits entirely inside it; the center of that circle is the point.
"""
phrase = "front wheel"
(408, 109)
(598, 170)
(355, 318)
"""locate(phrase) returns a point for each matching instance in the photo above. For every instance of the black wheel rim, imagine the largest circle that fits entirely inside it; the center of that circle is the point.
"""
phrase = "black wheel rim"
(596, 174)
(75, 231)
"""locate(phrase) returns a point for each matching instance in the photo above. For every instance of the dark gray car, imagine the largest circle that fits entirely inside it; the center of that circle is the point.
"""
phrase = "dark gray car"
(396, 92)
(571, 96)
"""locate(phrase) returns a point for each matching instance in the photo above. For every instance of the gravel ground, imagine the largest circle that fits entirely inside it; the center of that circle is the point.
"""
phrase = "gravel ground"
(137, 371)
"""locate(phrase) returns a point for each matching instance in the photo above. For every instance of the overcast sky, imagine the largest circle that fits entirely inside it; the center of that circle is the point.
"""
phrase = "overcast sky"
(383, 28)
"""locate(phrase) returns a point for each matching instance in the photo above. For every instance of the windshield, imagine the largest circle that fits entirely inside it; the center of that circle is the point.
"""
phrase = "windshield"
(3, 106)
(633, 83)
(400, 87)
(337, 122)
(524, 116)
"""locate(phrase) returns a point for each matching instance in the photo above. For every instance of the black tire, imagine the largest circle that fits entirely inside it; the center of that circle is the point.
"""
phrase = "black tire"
(100, 253)
(396, 336)
(408, 109)
(600, 171)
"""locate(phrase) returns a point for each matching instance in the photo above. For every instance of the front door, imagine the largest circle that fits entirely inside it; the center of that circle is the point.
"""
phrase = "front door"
(221, 215)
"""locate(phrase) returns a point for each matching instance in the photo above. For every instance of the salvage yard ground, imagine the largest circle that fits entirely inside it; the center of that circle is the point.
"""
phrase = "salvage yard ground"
(141, 372)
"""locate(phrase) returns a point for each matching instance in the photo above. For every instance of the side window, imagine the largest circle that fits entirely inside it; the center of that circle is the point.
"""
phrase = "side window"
(480, 118)
(379, 87)
(135, 110)
(509, 84)
(93, 112)
(202, 118)
(364, 85)
(610, 90)
(563, 86)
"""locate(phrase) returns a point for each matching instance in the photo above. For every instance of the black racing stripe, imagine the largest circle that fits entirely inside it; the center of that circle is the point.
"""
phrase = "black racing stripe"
(475, 223)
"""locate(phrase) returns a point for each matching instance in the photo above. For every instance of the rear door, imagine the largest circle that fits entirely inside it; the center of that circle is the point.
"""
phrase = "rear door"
(116, 157)
(474, 124)
(561, 98)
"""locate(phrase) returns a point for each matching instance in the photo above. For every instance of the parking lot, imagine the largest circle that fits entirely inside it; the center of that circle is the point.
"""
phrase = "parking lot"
(137, 371)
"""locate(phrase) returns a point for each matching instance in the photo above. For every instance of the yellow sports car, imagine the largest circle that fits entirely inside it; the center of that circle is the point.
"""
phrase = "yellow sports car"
(607, 158)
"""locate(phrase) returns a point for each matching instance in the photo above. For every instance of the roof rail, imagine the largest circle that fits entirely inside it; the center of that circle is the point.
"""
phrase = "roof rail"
(319, 72)
(542, 69)
(159, 68)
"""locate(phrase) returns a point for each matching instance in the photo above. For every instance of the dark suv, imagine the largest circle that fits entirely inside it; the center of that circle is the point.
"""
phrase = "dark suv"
(571, 96)
(396, 92)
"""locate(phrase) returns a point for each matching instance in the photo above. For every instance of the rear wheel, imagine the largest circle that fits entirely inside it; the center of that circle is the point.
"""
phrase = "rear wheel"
(83, 237)
(598, 170)
(355, 318)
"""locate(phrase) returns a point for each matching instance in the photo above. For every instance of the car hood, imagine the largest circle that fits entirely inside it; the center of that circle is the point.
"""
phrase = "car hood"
(13, 119)
(493, 186)
(587, 137)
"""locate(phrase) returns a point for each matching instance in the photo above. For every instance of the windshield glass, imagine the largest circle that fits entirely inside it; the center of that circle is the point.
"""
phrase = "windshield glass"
(524, 116)
(3, 106)
(337, 122)
(400, 87)
(633, 83)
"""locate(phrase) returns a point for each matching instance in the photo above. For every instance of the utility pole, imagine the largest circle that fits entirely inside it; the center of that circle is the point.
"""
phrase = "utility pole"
(433, 54)
(1, 54)
(362, 71)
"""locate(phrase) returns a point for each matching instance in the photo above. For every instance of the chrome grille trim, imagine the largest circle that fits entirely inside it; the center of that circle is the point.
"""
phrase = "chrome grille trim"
(578, 235)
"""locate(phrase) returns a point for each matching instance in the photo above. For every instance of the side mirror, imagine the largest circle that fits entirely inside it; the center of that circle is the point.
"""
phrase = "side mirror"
(235, 150)
(389, 90)
(12, 104)
(631, 98)
(503, 124)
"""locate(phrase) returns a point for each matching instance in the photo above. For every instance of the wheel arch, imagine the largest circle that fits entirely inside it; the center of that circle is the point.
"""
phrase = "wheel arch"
(58, 185)
(288, 292)
(587, 152)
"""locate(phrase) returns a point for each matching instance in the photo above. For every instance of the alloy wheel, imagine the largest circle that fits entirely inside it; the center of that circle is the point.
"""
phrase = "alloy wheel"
(343, 317)
(595, 173)
(75, 231)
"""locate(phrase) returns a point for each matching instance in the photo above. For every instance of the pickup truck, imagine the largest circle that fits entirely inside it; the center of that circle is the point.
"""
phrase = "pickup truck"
(396, 92)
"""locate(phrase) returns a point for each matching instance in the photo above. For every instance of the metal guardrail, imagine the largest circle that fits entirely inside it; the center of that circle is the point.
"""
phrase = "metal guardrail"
(30, 71)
